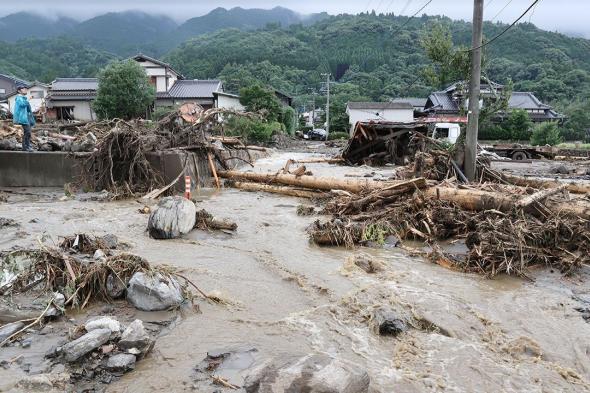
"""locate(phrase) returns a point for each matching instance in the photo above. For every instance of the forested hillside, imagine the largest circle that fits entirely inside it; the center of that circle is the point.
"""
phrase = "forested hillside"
(373, 57)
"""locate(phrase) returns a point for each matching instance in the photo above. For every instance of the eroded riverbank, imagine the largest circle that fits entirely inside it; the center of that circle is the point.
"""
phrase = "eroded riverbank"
(285, 296)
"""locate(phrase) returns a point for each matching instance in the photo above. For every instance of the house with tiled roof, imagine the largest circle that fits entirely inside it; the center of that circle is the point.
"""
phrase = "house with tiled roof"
(452, 102)
(71, 98)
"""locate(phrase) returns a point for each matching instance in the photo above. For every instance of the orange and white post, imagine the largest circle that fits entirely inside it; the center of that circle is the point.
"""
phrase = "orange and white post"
(187, 187)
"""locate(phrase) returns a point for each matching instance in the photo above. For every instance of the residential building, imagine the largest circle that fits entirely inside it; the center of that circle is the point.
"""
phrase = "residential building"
(417, 103)
(183, 91)
(449, 105)
(228, 101)
(398, 112)
(162, 75)
(8, 85)
(71, 99)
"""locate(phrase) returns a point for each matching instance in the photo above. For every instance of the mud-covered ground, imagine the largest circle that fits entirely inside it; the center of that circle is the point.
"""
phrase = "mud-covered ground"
(564, 170)
(285, 296)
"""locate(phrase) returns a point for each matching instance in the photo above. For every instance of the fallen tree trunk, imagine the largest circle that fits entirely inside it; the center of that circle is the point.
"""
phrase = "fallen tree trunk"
(539, 196)
(290, 191)
(317, 183)
(477, 200)
(575, 188)
(319, 161)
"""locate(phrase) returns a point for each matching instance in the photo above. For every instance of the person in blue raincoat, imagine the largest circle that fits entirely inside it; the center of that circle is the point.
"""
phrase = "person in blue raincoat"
(23, 116)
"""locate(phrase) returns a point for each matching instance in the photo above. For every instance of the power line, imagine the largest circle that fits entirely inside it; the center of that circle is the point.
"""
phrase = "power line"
(368, 5)
(488, 3)
(405, 7)
(410, 18)
(502, 10)
(378, 6)
(389, 6)
(506, 29)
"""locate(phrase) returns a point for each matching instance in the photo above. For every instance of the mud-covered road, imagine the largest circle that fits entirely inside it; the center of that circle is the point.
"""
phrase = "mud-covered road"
(285, 296)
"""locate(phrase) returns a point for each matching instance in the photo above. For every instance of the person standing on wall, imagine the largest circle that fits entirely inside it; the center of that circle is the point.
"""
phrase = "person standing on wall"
(23, 116)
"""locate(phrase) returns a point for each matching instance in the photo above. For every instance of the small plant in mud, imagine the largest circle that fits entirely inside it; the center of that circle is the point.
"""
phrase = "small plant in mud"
(376, 233)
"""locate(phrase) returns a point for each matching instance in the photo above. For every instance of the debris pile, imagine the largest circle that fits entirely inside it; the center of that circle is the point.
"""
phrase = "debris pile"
(507, 224)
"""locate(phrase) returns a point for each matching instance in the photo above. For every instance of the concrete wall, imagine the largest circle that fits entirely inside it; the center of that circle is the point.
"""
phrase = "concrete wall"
(229, 103)
(39, 169)
(398, 115)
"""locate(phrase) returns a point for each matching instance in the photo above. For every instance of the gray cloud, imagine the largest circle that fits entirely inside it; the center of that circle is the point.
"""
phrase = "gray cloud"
(569, 16)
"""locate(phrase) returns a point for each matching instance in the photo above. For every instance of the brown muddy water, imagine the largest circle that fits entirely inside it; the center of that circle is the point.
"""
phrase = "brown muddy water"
(286, 296)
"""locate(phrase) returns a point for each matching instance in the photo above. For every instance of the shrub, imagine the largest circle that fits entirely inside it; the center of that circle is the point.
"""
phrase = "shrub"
(252, 130)
(338, 135)
(546, 134)
(162, 111)
(124, 91)
(493, 132)
(289, 119)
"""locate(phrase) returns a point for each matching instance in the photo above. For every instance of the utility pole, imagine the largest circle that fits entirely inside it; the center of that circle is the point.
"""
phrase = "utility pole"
(328, 75)
(474, 87)
(313, 108)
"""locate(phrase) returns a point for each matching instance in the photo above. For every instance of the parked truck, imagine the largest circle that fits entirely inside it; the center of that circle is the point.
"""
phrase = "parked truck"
(520, 152)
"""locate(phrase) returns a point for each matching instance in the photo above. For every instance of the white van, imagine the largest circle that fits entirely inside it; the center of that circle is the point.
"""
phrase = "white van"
(447, 131)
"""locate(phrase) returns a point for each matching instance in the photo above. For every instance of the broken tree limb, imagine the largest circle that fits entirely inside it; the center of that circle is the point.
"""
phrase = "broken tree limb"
(313, 182)
(576, 188)
(539, 196)
(477, 200)
(289, 191)
(213, 170)
(320, 160)
(386, 193)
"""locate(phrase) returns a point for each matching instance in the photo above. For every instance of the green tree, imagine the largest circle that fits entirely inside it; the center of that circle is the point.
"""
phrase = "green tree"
(518, 125)
(546, 134)
(123, 92)
(257, 98)
(289, 119)
(577, 125)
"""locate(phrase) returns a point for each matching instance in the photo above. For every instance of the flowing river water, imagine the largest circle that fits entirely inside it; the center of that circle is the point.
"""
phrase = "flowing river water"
(286, 296)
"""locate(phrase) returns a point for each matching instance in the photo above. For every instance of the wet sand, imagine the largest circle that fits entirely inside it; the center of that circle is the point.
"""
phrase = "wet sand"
(287, 296)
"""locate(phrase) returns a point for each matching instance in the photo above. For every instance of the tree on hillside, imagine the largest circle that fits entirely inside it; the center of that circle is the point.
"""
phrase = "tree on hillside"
(448, 63)
(257, 98)
(577, 125)
(124, 91)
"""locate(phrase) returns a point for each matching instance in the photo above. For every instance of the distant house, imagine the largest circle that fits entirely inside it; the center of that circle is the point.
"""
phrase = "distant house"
(400, 112)
(71, 99)
(199, 91)
(284, 98)
(449, 105)
(8, 85)
(37, 95)
(162, 75)
(228, 101)
(417, 103)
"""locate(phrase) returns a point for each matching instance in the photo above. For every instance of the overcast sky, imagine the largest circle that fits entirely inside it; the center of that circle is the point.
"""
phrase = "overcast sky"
(569, 16)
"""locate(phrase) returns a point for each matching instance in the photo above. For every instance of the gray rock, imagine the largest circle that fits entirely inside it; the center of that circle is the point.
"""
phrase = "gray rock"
(312, 374)
(122, 362)
(99, 255)
(560, 169)
(9, 329)
(9, 144)
(103, 323)
(111, 241)
(153, 292)
(135, 336)
(387, 323)
(57, 309)
(172, 218)
(44, 382)
(76, 349)
(115, 287)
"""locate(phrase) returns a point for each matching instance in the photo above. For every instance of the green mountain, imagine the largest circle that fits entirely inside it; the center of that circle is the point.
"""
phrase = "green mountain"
(21, 25)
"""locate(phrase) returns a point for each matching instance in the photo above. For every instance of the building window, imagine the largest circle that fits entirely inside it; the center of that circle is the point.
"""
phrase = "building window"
(2, 91)
(154, 80)
(65, 113)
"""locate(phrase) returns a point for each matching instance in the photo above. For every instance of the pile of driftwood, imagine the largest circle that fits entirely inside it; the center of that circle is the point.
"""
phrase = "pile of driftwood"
(119, 163)
(507, 223)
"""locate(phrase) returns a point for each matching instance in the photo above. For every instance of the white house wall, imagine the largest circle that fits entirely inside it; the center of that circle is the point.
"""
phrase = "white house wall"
(396, 115)
(82, 109)
(226, 102)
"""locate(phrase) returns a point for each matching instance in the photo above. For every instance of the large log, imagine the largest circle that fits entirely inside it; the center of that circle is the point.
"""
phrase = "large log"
(290, 191)
(576, 188)
(313, 182)
(477, 200)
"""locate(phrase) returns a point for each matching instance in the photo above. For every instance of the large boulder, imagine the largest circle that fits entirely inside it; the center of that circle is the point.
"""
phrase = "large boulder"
(9, 329)
(74, 350)
(154, 292)
(172, 218)
(121, 362)
(312, 374)
(103, 323)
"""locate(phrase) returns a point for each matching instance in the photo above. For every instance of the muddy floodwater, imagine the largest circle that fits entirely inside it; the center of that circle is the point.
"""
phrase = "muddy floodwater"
(285, 296)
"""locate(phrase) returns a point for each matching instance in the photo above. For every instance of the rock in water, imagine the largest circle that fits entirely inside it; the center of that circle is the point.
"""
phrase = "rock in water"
(153, 292)
(115, 286)
(122, 362)
(312, 373)
(9, 329)
(172, 218)
(387, 323)
(74, 350)
(135, 336)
